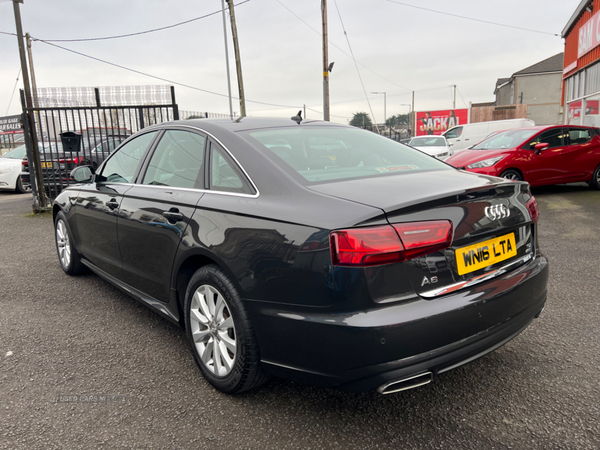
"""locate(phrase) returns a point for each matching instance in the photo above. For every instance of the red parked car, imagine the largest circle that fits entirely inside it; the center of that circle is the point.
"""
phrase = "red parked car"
(539, 155)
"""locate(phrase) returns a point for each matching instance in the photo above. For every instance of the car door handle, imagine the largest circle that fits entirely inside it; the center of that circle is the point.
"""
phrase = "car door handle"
(112, 203)
(173, 215)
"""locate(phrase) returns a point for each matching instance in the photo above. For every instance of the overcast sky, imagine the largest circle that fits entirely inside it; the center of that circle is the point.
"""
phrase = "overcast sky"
(398, 49)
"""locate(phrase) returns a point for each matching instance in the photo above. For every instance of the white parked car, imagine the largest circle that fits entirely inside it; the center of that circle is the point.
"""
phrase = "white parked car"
(432, 145)
(10, 169)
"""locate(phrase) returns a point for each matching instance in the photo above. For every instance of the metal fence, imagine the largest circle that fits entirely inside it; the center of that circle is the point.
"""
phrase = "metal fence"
(95, 132)
(400, 135)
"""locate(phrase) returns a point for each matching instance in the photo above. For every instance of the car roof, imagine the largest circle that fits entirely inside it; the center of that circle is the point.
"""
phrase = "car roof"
(244, 124)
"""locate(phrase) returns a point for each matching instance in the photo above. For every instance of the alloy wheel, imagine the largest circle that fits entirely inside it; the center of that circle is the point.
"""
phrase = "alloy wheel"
(63, 244)
(512, 176)
(213, 330)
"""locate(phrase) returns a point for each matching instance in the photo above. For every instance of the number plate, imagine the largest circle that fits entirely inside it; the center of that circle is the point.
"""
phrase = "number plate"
(478, 256)
(46, 165)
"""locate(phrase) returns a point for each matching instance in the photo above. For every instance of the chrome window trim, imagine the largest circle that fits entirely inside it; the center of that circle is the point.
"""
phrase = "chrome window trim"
(480, 279)
(209, 134)
(206, 191)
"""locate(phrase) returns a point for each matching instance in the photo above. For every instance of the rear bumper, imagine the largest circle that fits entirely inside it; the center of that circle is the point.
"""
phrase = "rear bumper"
(54, 182)
(363, 350)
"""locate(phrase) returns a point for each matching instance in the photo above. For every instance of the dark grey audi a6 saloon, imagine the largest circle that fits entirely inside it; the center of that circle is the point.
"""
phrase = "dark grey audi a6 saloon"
(308, 250)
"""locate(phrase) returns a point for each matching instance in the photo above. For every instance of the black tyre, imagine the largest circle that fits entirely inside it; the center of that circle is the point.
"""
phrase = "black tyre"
(220, 334)
(512, 175)
(69, 259)
(22, 188)
(595, 181)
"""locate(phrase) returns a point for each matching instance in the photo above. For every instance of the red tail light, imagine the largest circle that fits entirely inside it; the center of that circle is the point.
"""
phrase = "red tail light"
(75, 161)
(421, 238)
(387, 244)
(533, 209)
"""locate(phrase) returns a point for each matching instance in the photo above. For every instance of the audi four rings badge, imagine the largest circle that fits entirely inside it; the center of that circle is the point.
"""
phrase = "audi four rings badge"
(496, 212)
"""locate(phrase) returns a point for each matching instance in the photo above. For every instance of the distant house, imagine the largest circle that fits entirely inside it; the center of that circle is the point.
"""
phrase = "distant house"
(537, 86)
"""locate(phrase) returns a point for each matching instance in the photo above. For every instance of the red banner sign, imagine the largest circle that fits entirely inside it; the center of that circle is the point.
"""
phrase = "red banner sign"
(436, 122)
(592, 108)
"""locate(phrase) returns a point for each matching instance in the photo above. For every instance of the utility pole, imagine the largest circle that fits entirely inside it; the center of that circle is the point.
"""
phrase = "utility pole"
(384, 107)
(412, 130)
(32, 150)
(33, 83)
(227, 59)
(454, 102)
(238, 61)
(326, 68)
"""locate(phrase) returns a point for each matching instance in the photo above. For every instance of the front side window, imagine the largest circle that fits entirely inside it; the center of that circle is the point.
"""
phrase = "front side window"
(177, 161)
(122, 165)
(554, 138)
(453, 133)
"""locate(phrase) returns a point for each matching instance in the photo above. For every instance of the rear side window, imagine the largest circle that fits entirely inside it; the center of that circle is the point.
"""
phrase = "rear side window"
(579, 136)
(314, 154)
(177, 161)
(122, 165)
(225, 176)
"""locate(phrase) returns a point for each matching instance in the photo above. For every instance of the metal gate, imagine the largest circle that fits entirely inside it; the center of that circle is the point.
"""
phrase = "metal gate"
(66, 137)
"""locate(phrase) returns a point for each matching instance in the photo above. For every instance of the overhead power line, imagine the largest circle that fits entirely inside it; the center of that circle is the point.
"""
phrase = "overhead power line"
(355, 64)
(163, 79)
(340, 49)
(472, 18)
(13, 92)
(141, 32)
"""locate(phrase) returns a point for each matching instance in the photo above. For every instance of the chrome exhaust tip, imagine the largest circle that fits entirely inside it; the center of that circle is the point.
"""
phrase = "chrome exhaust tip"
(405, 383)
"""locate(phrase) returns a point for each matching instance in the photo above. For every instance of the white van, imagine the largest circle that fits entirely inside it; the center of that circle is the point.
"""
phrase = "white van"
(464, 136)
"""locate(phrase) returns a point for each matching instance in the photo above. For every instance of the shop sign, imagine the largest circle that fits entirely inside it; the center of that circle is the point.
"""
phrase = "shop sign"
(11, 124)
(437, 122)
(589, 35)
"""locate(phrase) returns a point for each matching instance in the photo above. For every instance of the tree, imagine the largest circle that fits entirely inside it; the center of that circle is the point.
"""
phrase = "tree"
(398, 119)
(361, 119)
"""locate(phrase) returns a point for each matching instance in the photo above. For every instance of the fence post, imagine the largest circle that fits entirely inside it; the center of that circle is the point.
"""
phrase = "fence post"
(141, 111)
(97, 93)
(175, 107)
(33, 158)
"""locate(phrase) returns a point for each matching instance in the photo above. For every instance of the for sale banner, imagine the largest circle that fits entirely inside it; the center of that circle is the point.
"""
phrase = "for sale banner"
(436, 122)
(10, 124)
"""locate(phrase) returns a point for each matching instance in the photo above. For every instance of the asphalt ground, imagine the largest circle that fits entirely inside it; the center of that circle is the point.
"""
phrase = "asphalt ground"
(83, 365)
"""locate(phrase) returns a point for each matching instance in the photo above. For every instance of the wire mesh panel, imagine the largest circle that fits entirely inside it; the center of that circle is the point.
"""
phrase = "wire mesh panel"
(96, 132)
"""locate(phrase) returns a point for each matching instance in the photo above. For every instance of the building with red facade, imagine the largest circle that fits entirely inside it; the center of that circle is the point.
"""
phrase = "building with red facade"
(581, 67)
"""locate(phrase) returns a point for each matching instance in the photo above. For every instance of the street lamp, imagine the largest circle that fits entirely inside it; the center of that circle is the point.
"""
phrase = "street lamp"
(384, 111)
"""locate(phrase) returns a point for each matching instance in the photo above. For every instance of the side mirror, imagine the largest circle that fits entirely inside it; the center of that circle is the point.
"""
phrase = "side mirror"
(541, 146)
(82, 174)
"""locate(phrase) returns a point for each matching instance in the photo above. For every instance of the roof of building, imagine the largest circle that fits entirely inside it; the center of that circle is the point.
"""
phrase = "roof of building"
(575, 17)
(501, 81)
(552, 64)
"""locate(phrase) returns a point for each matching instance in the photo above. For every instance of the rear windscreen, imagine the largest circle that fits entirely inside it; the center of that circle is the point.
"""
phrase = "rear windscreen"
(321, 154)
